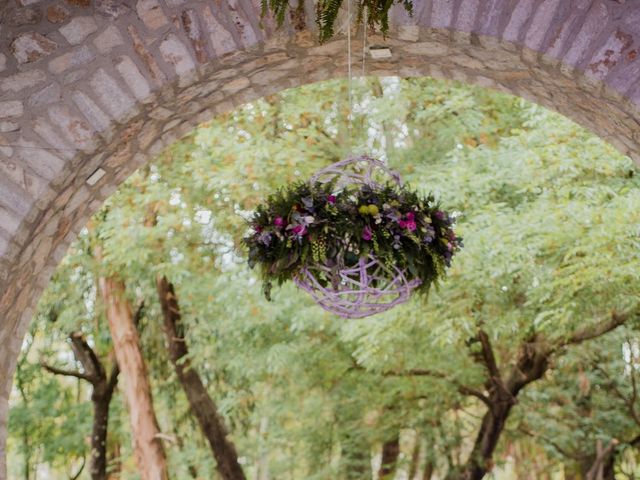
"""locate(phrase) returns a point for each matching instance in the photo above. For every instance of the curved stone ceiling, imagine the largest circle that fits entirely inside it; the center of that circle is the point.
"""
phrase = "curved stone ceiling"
(88, 84)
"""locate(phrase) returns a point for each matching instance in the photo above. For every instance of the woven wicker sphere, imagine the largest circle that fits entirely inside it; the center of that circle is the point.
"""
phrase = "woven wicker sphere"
(369, 287)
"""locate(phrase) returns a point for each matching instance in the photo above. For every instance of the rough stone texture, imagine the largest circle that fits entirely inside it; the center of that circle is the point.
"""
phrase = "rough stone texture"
(57, 13)
(108, 39)
(110, 84)
(31, 47)
(71, 59)
(78, 29)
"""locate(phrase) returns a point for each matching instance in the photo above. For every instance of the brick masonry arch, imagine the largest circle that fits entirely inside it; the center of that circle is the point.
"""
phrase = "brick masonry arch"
(88, 84)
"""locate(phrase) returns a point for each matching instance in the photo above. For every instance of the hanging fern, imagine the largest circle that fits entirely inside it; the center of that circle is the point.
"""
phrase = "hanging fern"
(327, 12)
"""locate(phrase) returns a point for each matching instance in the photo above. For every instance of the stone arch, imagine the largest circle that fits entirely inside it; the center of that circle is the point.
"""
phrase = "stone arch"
(106, 84)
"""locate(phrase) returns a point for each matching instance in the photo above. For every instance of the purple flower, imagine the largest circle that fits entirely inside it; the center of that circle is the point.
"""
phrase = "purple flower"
(265, 238)
(308, 203)
(439, 215)
(393, 215)
(278, 222)
(367, 234)
(331, 199)
(429, 235)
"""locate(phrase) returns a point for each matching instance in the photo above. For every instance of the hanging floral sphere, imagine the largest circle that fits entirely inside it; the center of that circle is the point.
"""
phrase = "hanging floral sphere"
(353, 237)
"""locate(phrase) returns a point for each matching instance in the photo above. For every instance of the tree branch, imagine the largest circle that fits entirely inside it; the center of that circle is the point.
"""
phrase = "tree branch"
(113, 378)
(67, 373)
(488, 356)
(594, 331)
(463, 389)
(87, 357)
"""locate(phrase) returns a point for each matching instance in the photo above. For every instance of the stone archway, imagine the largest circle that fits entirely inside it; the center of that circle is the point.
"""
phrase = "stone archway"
(103, 85)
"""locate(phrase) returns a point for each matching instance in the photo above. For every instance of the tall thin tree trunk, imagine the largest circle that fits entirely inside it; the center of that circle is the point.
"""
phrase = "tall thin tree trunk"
(98, 467)
(428, 470)
(101, 394)
(390, 454)
(149, 452)
(415, 456)
(202, 406)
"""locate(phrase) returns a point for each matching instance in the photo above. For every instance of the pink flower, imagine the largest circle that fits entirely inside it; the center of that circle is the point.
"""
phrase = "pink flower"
(278, 222)
(410, 216)
(367, 234)
(411, 225)
(299, 230)
(331, 199)
(402, 224)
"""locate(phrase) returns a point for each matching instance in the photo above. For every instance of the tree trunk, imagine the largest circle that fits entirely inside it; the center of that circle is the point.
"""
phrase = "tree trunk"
(149, 452)
(202, 406)
(101, 394)
(390, 454)
(98, 467)
(428, 471)
(603, 464)
(531, 364)
(415, 457)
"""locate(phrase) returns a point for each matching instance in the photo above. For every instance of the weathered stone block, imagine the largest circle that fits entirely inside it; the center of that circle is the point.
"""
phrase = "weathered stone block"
(409, 33)
(57, 14)
(75, 58)
(221, 40)
(8, 126)
(31, 47)
(133, 78)
(542, 21)
(143, 52)
(427, 48)
(610, 54)
(78, 29)
(111, 8)
(52, 138)
(108, 39)
(192, 28)
(12, 108)
(96, 117)
(176, 54)
(248, 36)
(596, 20)
(151, 13)
(115, 100)
(75, 128)
(20, 81)
(24, 16)
(49, 94)
(442, 13)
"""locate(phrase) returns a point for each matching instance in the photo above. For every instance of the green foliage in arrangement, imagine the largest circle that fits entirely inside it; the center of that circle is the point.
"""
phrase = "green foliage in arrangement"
(313, 223)
(377, 13)
(550, 217)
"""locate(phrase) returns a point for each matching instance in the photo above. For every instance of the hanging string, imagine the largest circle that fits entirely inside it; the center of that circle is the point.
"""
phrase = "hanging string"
(350, 95)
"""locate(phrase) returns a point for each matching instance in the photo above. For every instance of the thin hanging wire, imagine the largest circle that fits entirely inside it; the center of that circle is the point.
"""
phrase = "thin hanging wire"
(350, 94)
(349, 61)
